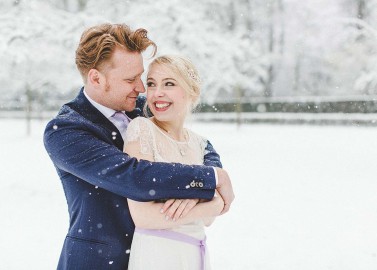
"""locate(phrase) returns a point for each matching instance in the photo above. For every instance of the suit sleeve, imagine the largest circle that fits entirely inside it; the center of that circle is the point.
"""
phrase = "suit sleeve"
(77, 148)
(211, 157)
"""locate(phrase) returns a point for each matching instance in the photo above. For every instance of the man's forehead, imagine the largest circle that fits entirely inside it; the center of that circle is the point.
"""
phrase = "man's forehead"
(127, 57)
(130, 63)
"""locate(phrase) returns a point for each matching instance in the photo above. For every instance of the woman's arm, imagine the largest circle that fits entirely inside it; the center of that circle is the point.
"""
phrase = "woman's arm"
(147, 214)
(209, 220)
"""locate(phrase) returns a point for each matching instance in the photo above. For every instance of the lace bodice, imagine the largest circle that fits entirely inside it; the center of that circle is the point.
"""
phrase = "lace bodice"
(153, 141)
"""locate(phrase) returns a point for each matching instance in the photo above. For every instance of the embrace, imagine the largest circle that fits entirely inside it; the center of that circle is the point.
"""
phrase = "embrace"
(140, 187)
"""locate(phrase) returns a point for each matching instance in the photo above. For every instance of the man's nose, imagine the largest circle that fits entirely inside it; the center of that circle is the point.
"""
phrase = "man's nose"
(139, 87)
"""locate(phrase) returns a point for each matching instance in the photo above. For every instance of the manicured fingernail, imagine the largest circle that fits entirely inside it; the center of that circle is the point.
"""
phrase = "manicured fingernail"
(166, 217)
(173, 219)
(161, 210)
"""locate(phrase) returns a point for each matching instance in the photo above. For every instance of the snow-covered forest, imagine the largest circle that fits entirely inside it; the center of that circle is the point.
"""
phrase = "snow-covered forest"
(242, 48)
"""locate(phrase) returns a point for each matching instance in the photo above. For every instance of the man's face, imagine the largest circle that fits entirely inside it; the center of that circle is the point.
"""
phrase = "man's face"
(122, 80)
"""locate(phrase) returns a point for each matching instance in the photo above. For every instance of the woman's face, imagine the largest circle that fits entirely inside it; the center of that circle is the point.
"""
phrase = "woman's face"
(167, 100)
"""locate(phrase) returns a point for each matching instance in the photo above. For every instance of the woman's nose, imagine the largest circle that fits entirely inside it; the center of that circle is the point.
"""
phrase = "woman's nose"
(158, 92)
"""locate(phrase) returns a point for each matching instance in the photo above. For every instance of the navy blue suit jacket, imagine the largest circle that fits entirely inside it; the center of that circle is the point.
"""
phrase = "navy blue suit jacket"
(97, 177)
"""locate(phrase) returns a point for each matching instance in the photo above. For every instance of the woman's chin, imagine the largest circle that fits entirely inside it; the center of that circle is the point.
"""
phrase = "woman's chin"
(160, 117)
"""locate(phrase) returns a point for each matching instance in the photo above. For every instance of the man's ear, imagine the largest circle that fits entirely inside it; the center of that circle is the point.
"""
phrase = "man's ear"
(95, 78)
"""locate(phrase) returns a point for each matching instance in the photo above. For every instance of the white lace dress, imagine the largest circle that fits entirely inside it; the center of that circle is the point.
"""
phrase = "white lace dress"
(155, 252)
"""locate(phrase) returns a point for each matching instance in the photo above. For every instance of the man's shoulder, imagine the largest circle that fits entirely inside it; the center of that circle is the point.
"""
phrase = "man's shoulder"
(77, 110)
(70, 113)
(66, 117)
(66, 113)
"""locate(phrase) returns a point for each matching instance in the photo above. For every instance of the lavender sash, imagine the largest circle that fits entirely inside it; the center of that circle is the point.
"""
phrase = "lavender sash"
(178, 237)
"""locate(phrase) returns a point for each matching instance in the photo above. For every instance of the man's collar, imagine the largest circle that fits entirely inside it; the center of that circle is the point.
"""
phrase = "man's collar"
(107, 112)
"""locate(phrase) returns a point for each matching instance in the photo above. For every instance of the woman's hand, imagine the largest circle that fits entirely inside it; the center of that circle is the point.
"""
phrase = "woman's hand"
(218, 204)
(177, 208)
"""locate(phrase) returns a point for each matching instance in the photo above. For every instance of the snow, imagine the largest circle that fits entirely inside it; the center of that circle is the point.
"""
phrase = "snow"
(305, 198)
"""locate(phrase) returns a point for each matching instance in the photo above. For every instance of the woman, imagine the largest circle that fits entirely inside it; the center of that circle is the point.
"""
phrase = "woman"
(174, 241)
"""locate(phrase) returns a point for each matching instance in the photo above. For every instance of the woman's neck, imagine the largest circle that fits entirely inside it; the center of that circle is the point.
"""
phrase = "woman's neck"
(173, 129)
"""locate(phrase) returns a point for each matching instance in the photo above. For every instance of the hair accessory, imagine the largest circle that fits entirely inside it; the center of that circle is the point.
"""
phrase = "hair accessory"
(193, 75)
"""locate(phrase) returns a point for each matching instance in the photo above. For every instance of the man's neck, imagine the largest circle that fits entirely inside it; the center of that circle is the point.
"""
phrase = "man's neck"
(106, 111)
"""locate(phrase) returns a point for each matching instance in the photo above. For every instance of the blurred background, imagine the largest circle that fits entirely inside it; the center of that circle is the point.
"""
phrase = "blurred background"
(285, 61)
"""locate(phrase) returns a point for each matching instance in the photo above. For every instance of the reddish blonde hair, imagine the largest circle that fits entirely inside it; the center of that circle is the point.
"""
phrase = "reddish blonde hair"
(98, 43)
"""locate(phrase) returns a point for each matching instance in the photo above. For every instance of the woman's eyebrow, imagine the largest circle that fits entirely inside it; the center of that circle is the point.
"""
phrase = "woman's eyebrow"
(166, 79)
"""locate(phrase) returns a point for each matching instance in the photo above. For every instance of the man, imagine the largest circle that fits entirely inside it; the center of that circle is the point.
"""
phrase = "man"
(85, 144)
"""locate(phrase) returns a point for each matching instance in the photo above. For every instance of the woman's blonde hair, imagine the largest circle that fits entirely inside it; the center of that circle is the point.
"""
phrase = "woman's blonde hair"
(186, 73)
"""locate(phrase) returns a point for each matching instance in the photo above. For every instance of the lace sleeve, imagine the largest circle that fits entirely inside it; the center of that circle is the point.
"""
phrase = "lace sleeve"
(201, 141)
(203, 145)
(139, 130)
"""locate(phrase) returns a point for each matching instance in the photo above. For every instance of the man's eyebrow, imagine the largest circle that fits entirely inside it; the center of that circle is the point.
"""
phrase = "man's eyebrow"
(134, 77)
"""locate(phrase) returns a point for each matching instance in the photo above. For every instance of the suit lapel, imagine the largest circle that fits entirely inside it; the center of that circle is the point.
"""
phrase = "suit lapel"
(82, 105)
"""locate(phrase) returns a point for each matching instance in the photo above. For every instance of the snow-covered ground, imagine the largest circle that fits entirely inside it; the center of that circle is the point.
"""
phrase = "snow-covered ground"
(305, 198)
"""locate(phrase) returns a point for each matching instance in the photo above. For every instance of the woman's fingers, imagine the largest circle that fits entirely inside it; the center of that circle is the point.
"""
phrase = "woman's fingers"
(177, 208)
(172, 209)
(166, 205)
(189, 205)
(180, 209)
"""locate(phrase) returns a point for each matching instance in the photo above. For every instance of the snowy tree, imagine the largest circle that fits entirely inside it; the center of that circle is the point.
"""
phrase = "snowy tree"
(242, 48)
(35, 54)
(225, 54)
(38, 51)
(359, 47)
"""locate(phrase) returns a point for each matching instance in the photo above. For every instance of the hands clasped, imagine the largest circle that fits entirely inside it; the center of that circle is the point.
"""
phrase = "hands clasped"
(177, 208)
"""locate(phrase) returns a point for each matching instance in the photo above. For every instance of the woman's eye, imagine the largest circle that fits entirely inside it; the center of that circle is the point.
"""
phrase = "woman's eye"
(169, 84)
(150, 84)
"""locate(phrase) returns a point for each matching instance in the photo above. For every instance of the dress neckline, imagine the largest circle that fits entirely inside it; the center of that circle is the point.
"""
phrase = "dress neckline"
(170, 138)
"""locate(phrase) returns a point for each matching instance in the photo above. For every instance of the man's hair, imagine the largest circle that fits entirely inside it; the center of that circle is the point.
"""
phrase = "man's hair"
(98, 43)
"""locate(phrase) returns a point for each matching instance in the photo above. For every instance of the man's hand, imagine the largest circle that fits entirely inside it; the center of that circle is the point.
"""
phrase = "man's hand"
(177, 208)
(225, 189)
